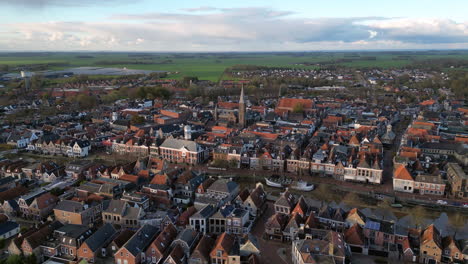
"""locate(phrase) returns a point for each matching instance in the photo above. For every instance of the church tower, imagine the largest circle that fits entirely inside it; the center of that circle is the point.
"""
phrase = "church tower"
(215, 113)
(242, 108)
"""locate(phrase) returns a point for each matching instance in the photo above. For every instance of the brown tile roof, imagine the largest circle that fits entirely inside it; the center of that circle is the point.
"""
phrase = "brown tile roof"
(45, 200)
(165, 238)
(204, 247)
(244, 194)
(277, 221)
(224, 242)
(354, 235)
(402, 173)
(177, 254)
(431, 234)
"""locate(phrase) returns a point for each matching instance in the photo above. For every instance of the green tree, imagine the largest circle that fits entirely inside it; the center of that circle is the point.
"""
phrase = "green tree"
(86, 101)
(137, 120)
(36, 82)
(57, 191)
(298, 108)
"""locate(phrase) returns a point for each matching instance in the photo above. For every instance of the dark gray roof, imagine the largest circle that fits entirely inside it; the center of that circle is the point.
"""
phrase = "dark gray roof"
(223, 185)
(6, 180)
(101, 236)
(141, 239)
(70, 206)
(116, 207)
(7, 227)
(188, 236)
(205, 212)
(436, 145)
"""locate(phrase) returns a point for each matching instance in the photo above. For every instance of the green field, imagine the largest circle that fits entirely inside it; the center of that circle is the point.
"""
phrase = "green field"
(210, 66)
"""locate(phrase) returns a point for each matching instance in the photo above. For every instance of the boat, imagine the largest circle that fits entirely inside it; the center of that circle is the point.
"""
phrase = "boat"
(277, 181)
(302, 186)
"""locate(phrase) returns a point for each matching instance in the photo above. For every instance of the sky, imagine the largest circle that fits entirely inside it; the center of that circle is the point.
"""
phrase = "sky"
(210, 26)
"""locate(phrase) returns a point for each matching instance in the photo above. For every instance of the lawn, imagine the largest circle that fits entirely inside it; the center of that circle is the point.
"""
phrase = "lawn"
(210, 66)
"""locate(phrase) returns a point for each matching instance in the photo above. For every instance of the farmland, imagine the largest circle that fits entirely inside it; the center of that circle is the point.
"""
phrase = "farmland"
(210, 66)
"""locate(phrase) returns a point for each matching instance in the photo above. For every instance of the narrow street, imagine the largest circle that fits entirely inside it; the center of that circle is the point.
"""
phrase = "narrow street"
(270, 248)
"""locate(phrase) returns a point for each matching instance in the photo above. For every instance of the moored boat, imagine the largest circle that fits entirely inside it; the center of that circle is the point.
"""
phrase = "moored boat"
(302, 186)
(277, 181)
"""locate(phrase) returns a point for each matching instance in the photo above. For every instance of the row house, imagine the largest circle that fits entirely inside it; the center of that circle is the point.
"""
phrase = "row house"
(70, 148)
(158, 248)
(225, 250)
(97, 244)
(49, 171)
(34, 243)
(254, 201)
(458, 180)
(37, 205)
(201, 253)
(133, 251)
(68, 240)
(78, 213)
(230, 220)
(332, 248)
(120, 213)
(380, 234)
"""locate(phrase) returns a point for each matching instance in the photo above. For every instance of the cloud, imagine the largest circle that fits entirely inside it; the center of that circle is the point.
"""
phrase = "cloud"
(60, 3)
(234, 29)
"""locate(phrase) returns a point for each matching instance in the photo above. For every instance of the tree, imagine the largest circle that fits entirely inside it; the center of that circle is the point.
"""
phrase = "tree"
(86, 101)
(36, 82)
(220, 163)
(298, 108)
(57, 191)
(137, 120)
(233, 163)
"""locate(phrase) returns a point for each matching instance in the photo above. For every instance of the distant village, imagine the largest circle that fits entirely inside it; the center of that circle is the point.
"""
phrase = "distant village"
(222, 176)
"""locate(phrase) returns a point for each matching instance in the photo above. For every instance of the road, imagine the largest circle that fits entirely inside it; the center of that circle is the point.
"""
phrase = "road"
(270, 248)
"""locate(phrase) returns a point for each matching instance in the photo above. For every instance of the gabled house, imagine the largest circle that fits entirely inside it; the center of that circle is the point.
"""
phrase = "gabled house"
(354, 237)
(122, 237)
(132, 251)
(96, 245)
(199, 220)
(451, 251)
(187, 239)
(176, 256)
(430, 245)
(37, 206)
(201, 253)
(226, 250)
(69, 239)
(255, 203)
(292, 228)
(158, 247)
(285, 204)
(78, 213)
(355, 216)
(121, 213)
(275, 225)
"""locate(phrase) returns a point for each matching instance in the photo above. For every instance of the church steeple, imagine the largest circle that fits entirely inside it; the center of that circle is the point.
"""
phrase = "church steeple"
(242, 108)
(215, 114)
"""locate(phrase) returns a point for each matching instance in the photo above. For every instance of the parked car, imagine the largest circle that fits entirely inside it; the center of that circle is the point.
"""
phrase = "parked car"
(465, 205)
(441, 202)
